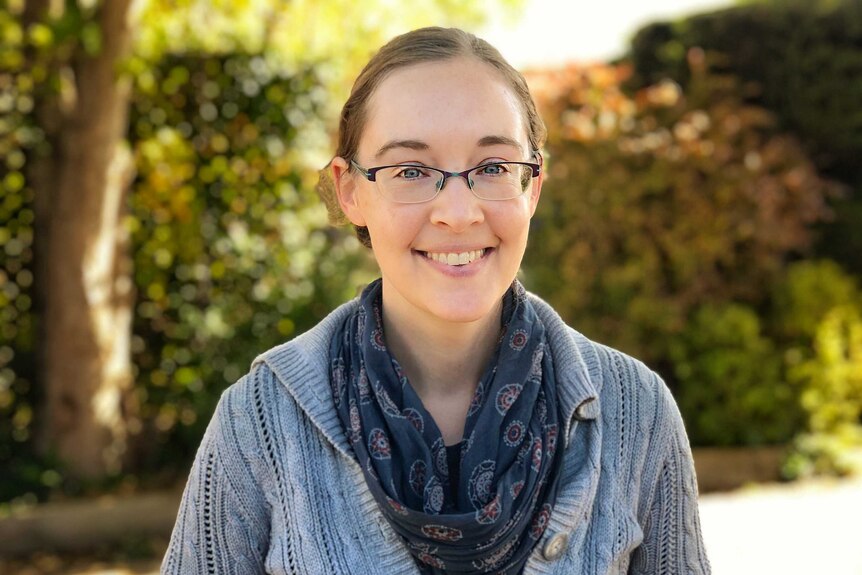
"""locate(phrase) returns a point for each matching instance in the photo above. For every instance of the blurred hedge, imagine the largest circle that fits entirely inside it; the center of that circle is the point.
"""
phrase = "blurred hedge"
(663, 201)
(233, 253)
(669, 225)
(19, 138)
(800, 59)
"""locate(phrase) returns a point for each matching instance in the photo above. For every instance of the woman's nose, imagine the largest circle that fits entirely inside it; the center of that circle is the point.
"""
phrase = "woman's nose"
(455, 205)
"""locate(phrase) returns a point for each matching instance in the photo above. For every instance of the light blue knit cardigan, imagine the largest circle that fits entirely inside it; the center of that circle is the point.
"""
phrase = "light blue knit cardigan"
(274, 487)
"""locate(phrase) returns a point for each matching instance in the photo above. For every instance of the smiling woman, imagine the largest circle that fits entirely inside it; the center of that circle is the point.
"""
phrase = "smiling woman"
(446, 421)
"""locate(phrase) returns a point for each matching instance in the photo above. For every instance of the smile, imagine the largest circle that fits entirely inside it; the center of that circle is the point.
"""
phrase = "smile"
(455, 259)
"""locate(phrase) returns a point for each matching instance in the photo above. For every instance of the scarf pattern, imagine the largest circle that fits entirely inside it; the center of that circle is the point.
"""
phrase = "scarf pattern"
(509, 465)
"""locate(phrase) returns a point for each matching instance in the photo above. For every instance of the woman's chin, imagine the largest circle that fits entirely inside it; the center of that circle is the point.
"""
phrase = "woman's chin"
(467, 310)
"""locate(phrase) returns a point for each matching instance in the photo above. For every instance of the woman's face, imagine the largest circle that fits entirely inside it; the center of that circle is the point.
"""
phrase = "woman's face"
(452, 115)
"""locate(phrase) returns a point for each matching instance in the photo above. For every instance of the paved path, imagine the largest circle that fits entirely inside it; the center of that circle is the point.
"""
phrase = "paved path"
(811, 529)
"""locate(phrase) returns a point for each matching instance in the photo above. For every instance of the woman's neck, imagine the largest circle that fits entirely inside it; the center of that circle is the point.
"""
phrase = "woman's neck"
(440, 357)
(442, 360)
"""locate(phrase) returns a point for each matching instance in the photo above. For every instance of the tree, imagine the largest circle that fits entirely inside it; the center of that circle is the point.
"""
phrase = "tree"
(82, 275)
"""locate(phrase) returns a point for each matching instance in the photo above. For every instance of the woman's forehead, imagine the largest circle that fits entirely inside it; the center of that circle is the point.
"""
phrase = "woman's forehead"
(460, 102)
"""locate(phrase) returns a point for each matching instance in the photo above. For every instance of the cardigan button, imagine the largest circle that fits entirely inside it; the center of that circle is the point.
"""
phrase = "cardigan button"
(588, 409)
(555, 546)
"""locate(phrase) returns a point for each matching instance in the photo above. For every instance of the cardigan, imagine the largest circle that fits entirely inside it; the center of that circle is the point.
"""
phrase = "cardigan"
(275, 488)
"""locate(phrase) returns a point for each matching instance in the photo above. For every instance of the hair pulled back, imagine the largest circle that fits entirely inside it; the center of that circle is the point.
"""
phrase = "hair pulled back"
(423, 45)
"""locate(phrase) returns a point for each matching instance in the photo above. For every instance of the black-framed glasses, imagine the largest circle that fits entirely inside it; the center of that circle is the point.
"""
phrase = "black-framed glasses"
(415, 183)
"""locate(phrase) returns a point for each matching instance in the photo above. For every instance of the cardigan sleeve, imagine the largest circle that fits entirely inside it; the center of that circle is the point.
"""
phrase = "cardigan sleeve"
(223, 521)
(673, 542)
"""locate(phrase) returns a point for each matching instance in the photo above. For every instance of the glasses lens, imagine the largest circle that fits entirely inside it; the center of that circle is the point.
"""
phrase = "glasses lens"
(501, 181)
(409, 184)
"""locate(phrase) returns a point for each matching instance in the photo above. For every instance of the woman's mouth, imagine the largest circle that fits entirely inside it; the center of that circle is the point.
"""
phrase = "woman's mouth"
(456, 258)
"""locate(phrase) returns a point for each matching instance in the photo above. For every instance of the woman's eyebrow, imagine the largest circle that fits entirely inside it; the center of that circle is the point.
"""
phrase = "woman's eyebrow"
(409, 144)
(419, 145)
(498, 140)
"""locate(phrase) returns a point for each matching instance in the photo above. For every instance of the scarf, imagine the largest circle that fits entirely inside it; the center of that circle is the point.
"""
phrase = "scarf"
(509, 469)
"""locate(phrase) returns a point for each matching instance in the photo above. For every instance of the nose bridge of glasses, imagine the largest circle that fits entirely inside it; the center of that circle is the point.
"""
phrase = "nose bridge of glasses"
(446, 175)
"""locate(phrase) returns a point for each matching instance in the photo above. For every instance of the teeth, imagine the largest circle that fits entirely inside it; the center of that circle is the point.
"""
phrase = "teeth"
(454, 259)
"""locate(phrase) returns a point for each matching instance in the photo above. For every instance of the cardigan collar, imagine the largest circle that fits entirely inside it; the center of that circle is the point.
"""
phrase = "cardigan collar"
(302, 366)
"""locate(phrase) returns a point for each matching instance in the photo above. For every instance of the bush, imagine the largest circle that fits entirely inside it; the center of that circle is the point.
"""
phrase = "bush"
(803, 297)
(729, 381)
(232, 251)
(816, 318)
(817, 454)
(832, 378)
(831, 381)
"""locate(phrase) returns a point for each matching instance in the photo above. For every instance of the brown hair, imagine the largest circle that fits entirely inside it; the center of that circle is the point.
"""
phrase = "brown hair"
(422, 45)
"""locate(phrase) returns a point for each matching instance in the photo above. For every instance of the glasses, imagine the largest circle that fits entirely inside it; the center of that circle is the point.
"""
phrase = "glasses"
(415, 183)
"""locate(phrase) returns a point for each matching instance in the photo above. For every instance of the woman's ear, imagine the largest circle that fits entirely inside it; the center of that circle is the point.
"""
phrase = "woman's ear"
(346, 190)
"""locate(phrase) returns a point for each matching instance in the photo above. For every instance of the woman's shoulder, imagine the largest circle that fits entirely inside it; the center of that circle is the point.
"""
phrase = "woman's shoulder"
(618, 378)
(293, 363)
(294, 371)
(634, 398)
(286, 381)
(600, 360)
(621, 370)
(311, 346)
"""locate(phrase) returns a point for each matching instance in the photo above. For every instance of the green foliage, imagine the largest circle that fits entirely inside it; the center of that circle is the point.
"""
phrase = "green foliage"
(801, 56)
(729, 380)
(806, 293)
(293, 32)
(833, 377)
(801, 60)
(815, 319)
(19, 136)
(232, 250)
(832, 398)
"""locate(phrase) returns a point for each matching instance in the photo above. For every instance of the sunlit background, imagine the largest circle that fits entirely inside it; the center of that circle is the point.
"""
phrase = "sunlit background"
(549, 33)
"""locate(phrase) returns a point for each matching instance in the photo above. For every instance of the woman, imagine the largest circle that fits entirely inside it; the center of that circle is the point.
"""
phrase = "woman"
(445, 421)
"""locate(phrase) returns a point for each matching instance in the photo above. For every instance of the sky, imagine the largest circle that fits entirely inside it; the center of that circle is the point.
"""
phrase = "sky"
(551, 32)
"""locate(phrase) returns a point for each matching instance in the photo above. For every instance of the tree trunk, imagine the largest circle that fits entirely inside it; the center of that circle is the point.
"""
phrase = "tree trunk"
(84, 267)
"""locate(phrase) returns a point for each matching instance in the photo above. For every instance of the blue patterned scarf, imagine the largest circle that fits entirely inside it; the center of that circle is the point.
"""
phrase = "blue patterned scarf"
(509, 469)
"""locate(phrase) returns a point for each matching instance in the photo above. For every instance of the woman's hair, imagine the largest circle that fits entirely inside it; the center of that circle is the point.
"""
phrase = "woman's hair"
(422, 45)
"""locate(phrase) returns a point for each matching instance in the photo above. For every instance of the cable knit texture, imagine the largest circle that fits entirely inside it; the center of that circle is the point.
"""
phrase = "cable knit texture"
(275, 489)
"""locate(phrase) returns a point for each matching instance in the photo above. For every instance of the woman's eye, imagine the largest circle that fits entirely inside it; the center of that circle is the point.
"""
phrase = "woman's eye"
(492, 170)
(410, 173)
